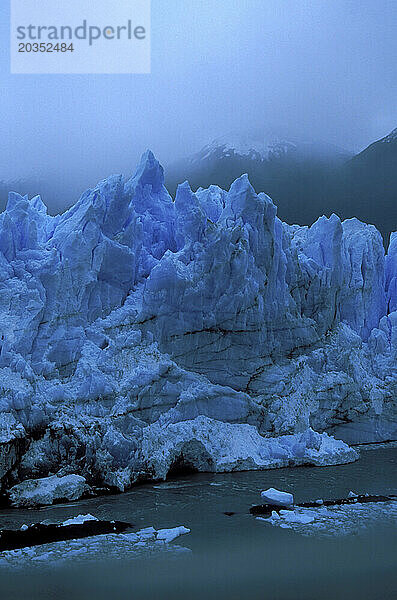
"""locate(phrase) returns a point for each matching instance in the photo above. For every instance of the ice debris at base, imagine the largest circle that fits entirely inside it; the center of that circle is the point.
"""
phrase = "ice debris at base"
(208, 445)
(147, 542)
(335, 521)
(40, 492)
(132, 314)
(277, 498)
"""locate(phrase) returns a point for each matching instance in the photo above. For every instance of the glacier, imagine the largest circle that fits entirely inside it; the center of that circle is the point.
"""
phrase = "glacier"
(142, 335)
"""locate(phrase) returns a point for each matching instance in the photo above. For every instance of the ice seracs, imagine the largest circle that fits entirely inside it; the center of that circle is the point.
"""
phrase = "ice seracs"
(139, 333)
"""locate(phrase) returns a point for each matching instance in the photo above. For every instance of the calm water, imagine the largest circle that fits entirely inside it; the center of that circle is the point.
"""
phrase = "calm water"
(232, 556)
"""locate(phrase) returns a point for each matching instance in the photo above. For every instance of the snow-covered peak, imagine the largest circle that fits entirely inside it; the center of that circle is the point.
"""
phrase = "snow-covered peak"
(392, 137)
(245, 146)
(267, 147)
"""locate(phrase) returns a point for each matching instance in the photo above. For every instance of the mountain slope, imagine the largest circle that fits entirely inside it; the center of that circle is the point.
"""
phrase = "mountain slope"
(305, 180)
(368, 184)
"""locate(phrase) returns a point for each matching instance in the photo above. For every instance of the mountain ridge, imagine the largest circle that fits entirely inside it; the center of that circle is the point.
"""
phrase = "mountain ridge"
(306, 179)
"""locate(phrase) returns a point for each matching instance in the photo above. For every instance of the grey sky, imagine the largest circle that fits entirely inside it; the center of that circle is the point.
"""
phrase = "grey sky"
(314, 69)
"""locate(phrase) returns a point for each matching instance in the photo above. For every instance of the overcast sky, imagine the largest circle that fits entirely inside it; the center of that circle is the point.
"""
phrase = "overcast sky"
(312, 69)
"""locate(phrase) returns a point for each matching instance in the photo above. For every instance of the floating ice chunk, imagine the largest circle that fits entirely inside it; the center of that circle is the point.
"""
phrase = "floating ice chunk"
(337, 521)
(147, 534)
(150, 534)
(39, 492)
(140, 545)
(273, 496)
(297, 517)
(274, 516)
(352, 495)
(171, 534)
(131, 537)
(79, 520)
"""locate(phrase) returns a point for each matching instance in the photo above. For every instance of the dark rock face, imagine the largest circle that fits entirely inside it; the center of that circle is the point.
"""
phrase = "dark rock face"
(11, 451)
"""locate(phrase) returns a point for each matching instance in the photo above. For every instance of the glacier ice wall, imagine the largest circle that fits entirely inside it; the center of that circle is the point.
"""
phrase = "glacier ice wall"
(132, 309)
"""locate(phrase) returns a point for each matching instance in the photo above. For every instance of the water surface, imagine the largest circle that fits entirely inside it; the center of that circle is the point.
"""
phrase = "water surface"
(236, 556)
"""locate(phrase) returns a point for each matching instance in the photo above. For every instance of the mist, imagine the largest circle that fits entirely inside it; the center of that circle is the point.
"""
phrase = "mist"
(300, 69)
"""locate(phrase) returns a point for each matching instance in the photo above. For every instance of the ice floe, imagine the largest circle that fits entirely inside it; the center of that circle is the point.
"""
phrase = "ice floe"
(335, 521)
(147, 542)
